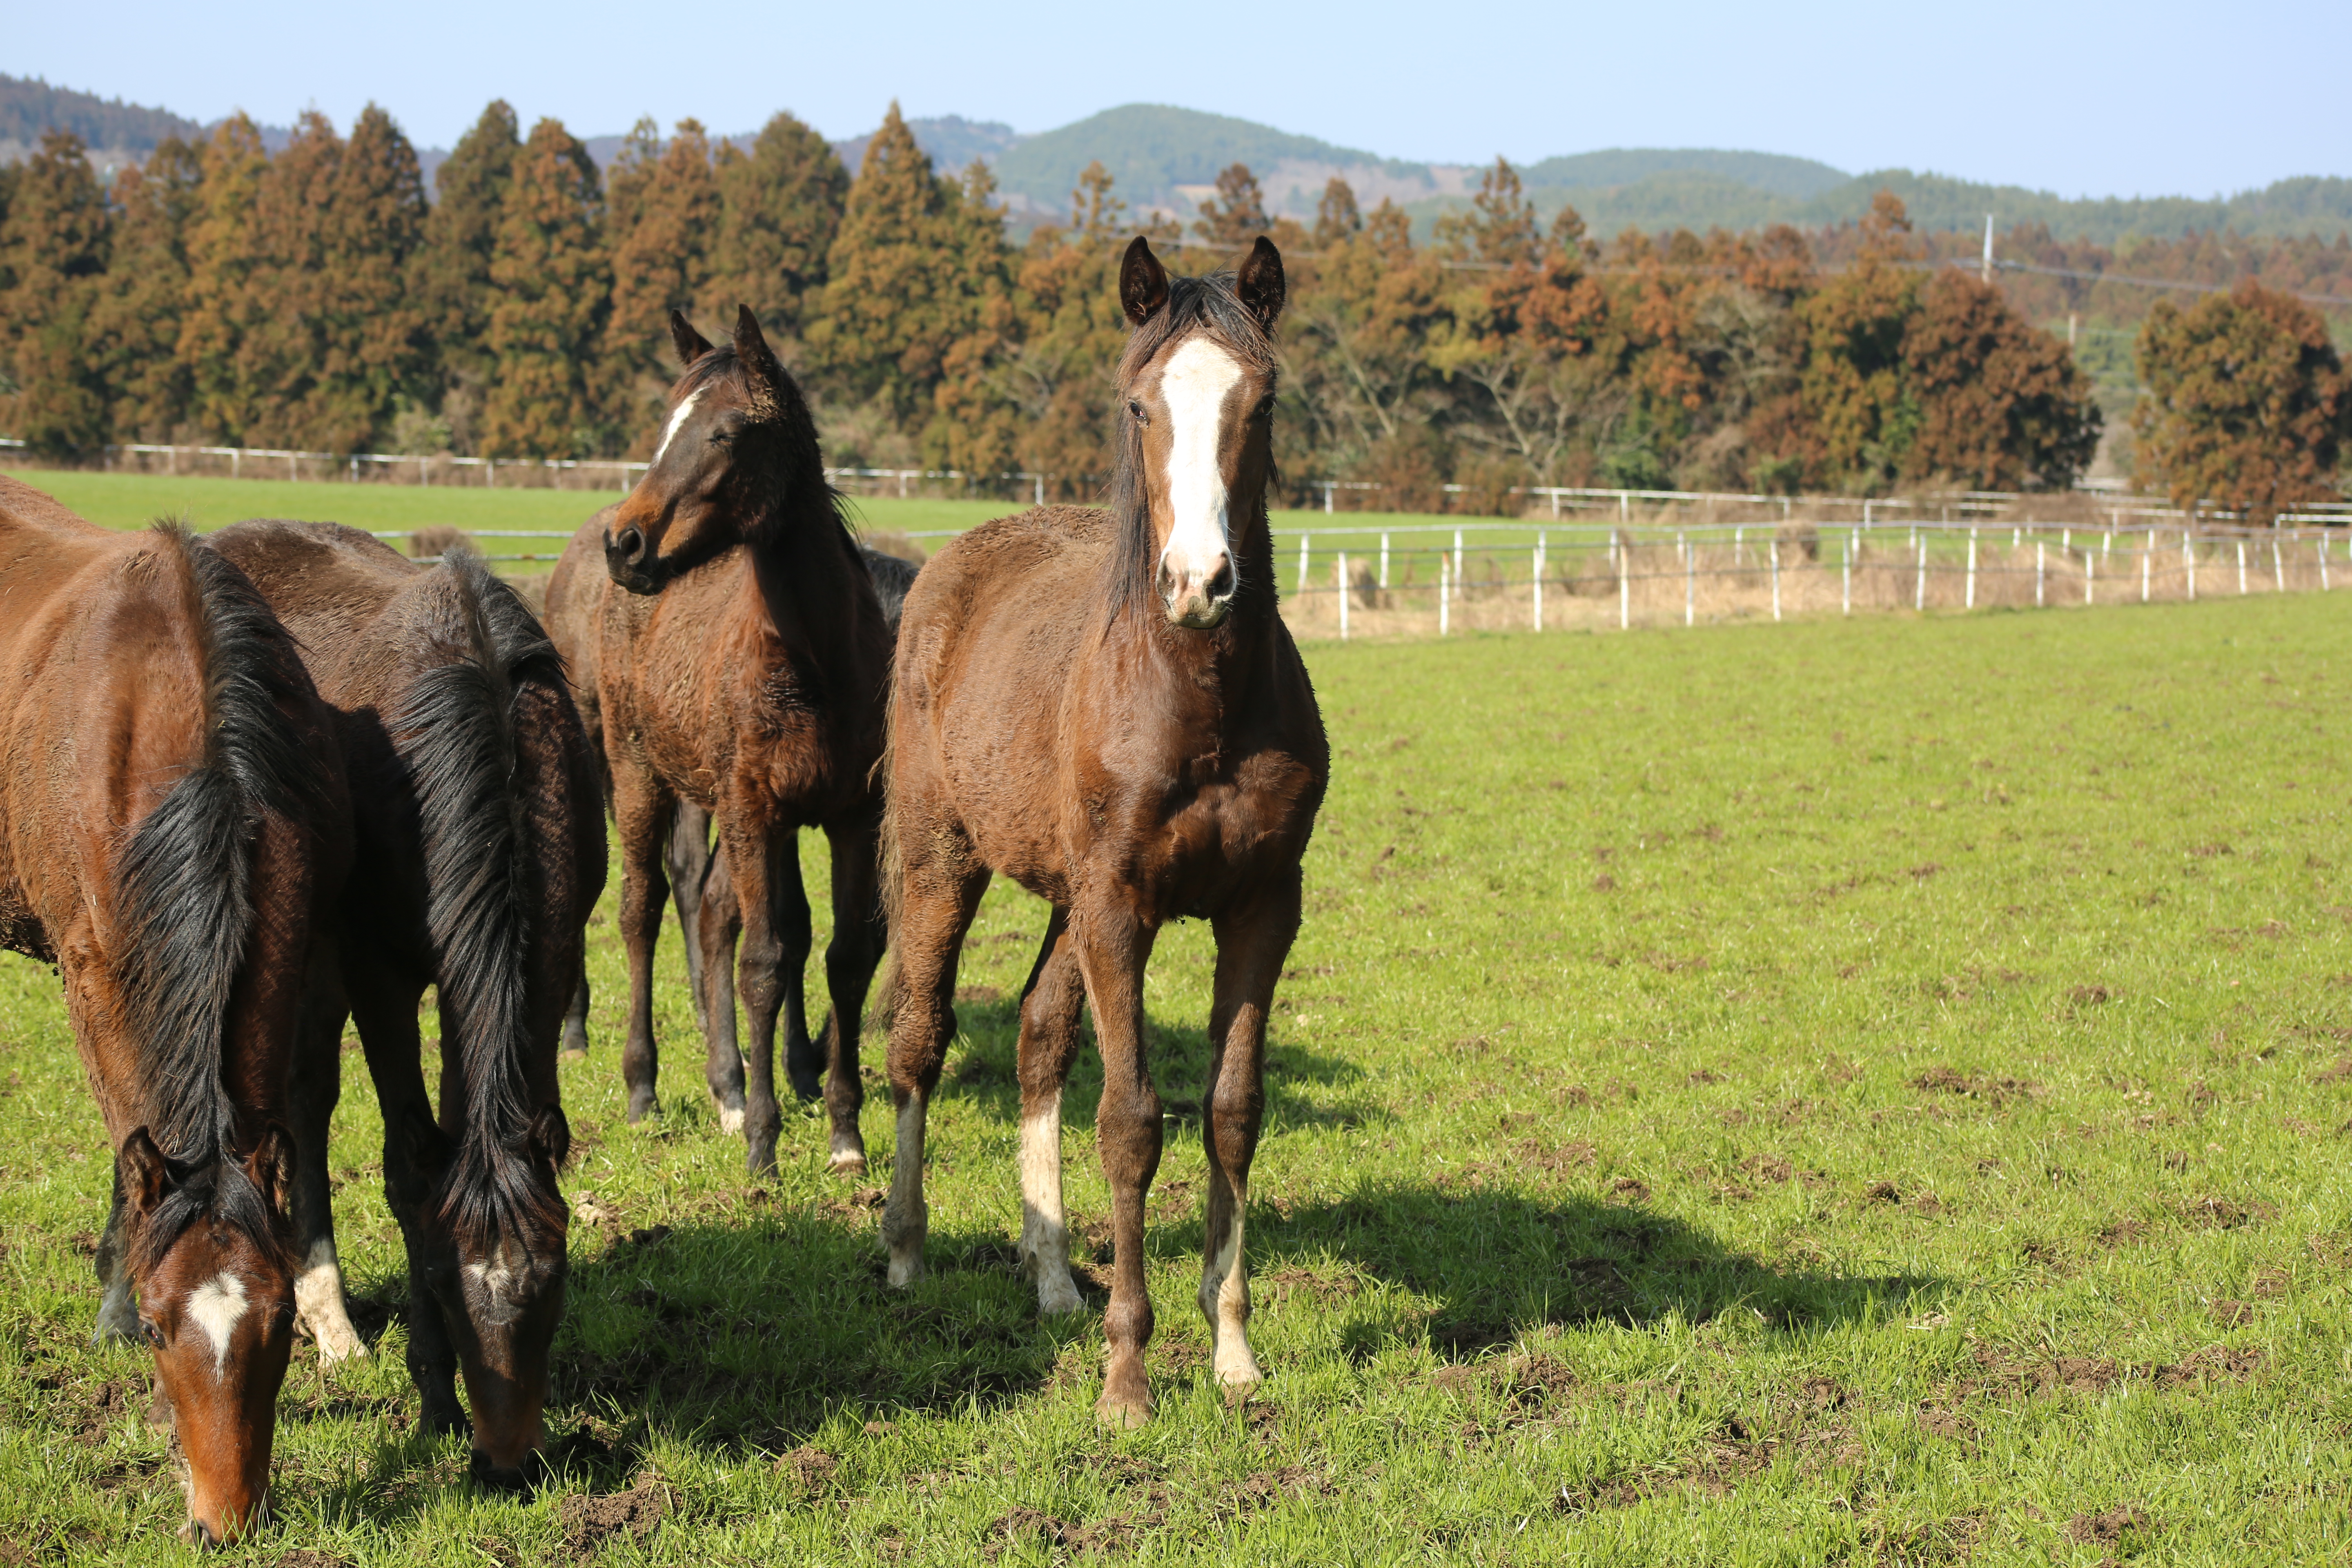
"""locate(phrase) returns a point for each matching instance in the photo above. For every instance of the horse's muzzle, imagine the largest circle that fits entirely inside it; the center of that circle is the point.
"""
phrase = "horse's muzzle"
(1195, 603)
(630, 561)
(525, 1476)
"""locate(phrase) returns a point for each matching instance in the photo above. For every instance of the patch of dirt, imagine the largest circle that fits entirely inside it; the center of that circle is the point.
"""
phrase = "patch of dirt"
(1976, 1084)
(1555, 1159)
(809, 1470)
(104, 1407)
(1264, 1489)
(590, 1522)
(1296, 1281)
(2336, 1074)
(2120, 1524)
(1630, 1190)
(2226, 1214)
(1882, 1193)
(2214, 1364)
(2120, 1232)
(310, 1557)
(2230, 1314)
(1766, 1168)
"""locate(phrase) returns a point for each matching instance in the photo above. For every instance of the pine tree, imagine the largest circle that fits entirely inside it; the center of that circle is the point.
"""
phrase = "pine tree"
(782, 207)
(53, 250)
(222, 255)
(281, 351)
(1236, 214)
(373, 354)
(909, 274)
(1337, 219)
(1500, 227)
(135, 324)
(1857, 396)
(450, 279)
(660, 263)
(1057, 382)
(553, 282)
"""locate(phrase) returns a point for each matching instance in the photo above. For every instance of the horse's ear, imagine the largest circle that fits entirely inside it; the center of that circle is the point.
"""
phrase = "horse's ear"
(1259, 283)
(1142, 281)
(146, 1177)
(551, 1135)
(690, 344)
(757, 358)
(271, 1167)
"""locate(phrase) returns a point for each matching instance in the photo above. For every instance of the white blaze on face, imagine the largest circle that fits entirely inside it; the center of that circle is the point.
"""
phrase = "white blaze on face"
(1194, 385)
(678, 418)
(215, 1307)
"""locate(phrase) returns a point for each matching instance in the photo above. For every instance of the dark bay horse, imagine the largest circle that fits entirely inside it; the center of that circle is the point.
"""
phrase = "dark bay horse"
(1107, 708)
(479, 849)
(741, 671)
(170, 817)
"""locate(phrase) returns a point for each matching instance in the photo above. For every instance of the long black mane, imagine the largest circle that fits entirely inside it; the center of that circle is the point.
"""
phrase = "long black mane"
(182, 896)
(456, 733)
(1211, 304)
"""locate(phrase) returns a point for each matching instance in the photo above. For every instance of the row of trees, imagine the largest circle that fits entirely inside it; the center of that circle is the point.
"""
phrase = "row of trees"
(316, 299)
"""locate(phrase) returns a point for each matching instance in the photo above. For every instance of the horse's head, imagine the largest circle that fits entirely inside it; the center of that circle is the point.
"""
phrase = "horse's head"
(739, 437)
(212, 1263)
(1196, 391)
(491, 1250)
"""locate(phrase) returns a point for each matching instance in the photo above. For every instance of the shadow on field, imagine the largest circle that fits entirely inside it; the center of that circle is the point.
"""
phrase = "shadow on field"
(1498, 1263)
(986, 1071)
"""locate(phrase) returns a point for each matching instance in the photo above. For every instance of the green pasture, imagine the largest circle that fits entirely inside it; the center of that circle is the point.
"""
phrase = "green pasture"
(1860, 1091)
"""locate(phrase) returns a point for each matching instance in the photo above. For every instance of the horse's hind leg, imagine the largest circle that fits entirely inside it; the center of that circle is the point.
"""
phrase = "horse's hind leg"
(687, 856)
(1049, 1044)
(858, 936)
(719, 921)
(788, 908)
(1252, 943)
(316, 1085)
(764, 866)
(575, 1018)
(939, 892)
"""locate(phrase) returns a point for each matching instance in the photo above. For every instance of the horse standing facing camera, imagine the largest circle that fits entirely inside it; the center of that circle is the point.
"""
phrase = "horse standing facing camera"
(740, 669)
(1107, 708)
(171, 819)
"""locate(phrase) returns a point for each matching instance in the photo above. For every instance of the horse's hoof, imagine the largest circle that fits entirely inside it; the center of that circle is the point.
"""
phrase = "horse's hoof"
(731, 1121)
(641, 1105)
(1124, 1415)
(1058, 1298)
(573, 1054)
(905, 1269)
(339, 1346)
(848, 1158)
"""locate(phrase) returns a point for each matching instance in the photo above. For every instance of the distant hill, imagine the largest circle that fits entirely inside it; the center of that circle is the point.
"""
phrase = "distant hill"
(116, 132)
(1772, 173)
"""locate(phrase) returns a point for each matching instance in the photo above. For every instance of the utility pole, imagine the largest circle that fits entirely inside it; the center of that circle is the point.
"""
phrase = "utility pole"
(1986, 274)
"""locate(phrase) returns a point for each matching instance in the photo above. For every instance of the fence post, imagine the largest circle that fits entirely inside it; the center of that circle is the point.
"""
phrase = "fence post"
(1919, 599)
(1852, 546)
(1690, 580)
(1776, 579)
(1038, 479)
(2089, 560)
(1444, 599)
(489, 473)
(1624, 506)
(2147, 555)
(1534, 583)
(1738, 548)
(1457, 563)
(2041, 561)
(1972, 569)
(293, 469)
(1328, 486)
(2241, 565)
(1384, 562)
(2278, 569)
(1339, 576)
(2188, 564)
(1624, 588)
(1302, 561)
(2323, 561)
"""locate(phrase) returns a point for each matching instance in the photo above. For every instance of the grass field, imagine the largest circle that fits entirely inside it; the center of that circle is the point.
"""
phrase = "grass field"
(1864, 1091)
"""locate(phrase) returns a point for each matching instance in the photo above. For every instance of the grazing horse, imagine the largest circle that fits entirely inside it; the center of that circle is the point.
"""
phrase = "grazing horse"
(170, 817)
(479, 849)
(741, 672)
(1107, 708)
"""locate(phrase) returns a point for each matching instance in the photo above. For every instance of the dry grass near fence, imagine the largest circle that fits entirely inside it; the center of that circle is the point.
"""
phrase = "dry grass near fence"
(1666, 584)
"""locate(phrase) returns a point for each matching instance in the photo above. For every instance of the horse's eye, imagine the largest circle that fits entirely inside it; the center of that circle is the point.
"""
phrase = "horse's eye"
(149, 1331)
(1135, 406)
(722, 438)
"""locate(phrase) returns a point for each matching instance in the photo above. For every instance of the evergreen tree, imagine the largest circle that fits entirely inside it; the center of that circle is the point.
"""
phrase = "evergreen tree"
(1236, 213)
(222, 257)
(53, 250)
(660, 263)
(2003, 406)
(1500, 226)
(451, 273)
(282, 348)
(553, 282)
(1857, 397)
(1337, 219)
(135, 324)
(909, 272)
(1058, 383)
(781, 209)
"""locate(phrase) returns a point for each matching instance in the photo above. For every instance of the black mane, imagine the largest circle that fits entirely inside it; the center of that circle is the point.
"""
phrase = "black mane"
(182, 896)
(1207, 304)
(455, 732)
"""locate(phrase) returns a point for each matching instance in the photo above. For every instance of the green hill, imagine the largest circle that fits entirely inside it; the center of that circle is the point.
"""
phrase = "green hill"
(1769, 172)
(1150, 148)
(29, 106)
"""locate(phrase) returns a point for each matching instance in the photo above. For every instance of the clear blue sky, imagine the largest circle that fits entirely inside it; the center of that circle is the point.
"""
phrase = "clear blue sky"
(2155, 98)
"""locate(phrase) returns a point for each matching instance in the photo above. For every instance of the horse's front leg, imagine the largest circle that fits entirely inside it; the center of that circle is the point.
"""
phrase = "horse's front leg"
(1252, 943)
(641, 814)
(849, 959)
(1113, 946)
(1049, 1044)
(717, 922)
(939, 890)
(688, 858)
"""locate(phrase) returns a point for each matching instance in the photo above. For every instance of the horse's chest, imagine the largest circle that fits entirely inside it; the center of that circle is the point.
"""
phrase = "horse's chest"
(1193, 846)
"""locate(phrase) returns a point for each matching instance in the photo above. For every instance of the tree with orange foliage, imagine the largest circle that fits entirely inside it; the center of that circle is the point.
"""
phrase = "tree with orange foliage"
(2002, 405)
(2248, 406)
(1857, 397)
(553, 277)
(53, 249)
(663, 210)
(1236, 214)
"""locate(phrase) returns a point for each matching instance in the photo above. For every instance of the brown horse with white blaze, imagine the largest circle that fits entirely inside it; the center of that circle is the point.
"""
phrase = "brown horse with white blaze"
(740, 671)
(170, 817)
(1107, 708)
(479, 834)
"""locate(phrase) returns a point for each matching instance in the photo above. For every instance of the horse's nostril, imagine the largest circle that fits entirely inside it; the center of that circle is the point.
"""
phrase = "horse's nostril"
(1221, 585)
(631, 545)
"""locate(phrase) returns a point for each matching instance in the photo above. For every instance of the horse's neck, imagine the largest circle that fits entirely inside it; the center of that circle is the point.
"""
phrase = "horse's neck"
(795, 570)
(1211, 678)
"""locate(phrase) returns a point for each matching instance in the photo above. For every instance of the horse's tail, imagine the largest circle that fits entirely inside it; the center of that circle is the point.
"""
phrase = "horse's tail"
(455, 731)
(184, 897)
